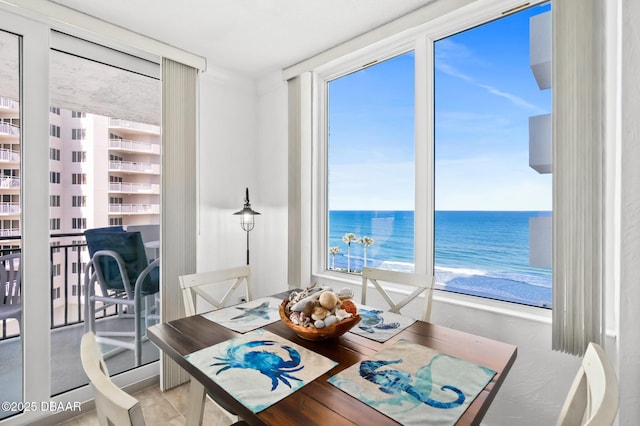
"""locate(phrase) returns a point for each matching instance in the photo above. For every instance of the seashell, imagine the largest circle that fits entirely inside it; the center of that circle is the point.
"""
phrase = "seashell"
(319, 313)
(330, 320)
(319, 324)
(328, 300)
(342, 314)
(299, 305)
(295, 318)
(308, 307)
(349, 306)
(345, 293)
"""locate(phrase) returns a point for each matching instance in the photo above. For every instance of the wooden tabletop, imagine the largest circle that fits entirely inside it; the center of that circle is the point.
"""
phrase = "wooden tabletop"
(319, 402)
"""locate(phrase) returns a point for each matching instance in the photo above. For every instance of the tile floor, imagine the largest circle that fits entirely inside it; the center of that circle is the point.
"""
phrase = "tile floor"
(162, 408)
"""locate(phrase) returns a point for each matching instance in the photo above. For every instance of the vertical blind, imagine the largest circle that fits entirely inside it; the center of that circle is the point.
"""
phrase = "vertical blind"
(578, 174)
(179, 133)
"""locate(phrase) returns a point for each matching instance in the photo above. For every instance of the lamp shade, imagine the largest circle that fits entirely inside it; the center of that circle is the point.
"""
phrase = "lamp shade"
(247, 214)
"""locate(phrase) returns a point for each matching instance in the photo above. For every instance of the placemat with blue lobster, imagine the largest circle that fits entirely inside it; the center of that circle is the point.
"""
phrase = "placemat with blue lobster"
(247, 316)
(415, 385)
(380, 325)
(260, 368)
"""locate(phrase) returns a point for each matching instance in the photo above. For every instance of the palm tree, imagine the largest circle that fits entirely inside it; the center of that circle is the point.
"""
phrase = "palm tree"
(366, 242)
(333, 251)
(349, 238)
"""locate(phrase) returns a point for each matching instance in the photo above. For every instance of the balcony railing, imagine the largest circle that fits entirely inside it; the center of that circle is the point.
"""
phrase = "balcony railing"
(137, 146)
(9, 129)
(8, 155)
(134, 209)
(134, 188)
(128, 166)
(66, 285)
(6, 103)
(9, 208)
(148, 128)
(7, 182)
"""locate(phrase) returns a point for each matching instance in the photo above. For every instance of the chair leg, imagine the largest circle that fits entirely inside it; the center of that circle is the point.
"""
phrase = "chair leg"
(138, 332)
(195, 408)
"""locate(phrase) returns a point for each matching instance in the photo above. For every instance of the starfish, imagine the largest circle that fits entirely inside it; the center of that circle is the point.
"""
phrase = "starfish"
(261, 311)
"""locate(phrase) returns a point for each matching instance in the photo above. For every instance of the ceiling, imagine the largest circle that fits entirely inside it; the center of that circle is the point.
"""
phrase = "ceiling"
(252, 37)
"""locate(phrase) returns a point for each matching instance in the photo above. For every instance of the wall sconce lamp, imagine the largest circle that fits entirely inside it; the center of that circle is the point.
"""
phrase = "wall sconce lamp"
(247, 219)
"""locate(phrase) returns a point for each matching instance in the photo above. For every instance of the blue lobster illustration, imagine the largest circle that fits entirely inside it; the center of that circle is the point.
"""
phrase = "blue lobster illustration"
(395, 382)
(267, 363)
(372, 319)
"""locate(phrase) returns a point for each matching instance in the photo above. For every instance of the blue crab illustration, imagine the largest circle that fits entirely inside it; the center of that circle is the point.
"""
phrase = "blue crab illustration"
(267, 363)
(395, 382)
(261, 311)
(371, 319)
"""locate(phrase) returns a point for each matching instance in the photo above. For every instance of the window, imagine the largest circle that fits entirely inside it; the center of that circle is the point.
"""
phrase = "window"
(54, 177)
(55, 270)
(79, 223)
(115, 221)
(54, 154)
(78, 134)
(54, 224)
(78, 156)
(78, 114)
(79, 201)
(115, 200)
(370, 167)
(442, 198)
(78, 178)
(492, 194)
(75, 270)
(54, 201)
(54, 130)
(55, 247)
(54, 110)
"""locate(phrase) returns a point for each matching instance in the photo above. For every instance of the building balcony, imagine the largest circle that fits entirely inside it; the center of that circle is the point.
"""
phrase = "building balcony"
(7, 182)
(9, 156)
(66, 330)
(540, 49)
(126, 145)
(134, 188)
(134, 127)
(126, 209)
(10, 130)
(9, 208)
(15, 232)
(7, 104)
(134, 167)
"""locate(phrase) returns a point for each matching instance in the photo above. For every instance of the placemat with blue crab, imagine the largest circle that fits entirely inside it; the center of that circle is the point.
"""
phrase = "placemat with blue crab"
(380, 325)
(415, 385)
(247, 316)
(260, 368)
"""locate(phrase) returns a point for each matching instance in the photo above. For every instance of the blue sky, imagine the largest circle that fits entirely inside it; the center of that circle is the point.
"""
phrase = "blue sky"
(485, 93)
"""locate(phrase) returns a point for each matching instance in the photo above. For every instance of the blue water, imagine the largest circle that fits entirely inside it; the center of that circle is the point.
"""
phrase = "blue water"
(484, 253)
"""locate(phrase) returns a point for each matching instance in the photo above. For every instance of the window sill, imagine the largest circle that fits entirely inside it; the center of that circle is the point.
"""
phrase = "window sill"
(531, 313)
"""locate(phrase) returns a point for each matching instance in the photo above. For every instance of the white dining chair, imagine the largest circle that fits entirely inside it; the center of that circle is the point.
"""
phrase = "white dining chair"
(113, 405)
(215, 288)
(420, 283)
(593, 397)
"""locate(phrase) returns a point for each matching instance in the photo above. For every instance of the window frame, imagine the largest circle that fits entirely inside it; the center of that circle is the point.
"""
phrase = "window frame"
(421, 40)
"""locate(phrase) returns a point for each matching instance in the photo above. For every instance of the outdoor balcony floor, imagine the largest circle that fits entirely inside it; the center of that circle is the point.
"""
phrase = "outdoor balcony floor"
(66, 368)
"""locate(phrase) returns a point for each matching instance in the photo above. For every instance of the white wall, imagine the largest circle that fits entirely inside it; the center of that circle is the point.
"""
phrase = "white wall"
(243, 143)
(226, 166)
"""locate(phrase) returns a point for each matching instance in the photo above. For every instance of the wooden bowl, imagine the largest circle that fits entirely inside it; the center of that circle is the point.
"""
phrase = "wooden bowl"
(312, 333)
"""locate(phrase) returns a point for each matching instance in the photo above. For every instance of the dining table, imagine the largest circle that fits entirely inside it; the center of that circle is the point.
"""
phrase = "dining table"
(319, 402)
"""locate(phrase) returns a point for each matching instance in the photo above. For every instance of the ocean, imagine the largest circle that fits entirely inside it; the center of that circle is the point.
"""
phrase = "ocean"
(484, 253)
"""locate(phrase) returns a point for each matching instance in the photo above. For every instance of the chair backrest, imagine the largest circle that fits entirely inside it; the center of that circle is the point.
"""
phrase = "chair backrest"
(113, 405)
(421, 282)
(202, 284)
(129, 247)
(10, 279)
(593, 396)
